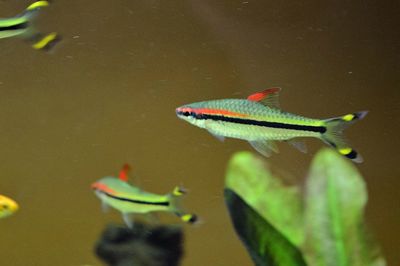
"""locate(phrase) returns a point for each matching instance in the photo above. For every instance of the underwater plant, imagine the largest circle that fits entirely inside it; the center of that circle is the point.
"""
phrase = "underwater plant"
(280, 225)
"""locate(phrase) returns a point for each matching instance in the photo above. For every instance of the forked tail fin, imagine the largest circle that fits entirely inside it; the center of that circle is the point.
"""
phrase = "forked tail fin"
(176, 206)
(32, 10)
(334, 134)
(39, 41)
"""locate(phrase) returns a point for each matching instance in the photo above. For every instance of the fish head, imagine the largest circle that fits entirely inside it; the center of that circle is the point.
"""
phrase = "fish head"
(7, 206)
(104, 185)
(191, 114)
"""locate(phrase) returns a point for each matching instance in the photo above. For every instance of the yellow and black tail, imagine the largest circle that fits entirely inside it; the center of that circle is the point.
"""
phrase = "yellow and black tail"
(176, 197)
(39, 41)
(334, 134)
(45, 42)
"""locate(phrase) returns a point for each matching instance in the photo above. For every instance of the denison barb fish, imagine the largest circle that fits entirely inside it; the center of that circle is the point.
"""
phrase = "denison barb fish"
(260, 121)
(129, 199)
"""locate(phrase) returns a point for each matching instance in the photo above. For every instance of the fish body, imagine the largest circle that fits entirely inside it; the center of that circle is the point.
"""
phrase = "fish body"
(13, 27)
(259, 120)
(129, 199)
(7, 206)
(21, 26)
(247, 120)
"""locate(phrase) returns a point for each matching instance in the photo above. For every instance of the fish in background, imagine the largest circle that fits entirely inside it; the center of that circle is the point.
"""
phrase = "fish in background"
(21, 26)
(7, 206)
(129, 199)
(260, 121)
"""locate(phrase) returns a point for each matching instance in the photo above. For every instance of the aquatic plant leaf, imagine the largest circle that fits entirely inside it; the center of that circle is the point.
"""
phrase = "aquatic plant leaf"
(266, 245)
(335, 201)
(280, 205)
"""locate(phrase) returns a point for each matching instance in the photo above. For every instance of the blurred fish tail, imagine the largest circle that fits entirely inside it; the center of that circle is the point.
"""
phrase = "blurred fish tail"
(176, 205)
(45, 42)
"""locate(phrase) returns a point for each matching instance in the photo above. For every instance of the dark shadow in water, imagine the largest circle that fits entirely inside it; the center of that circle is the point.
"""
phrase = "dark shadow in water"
(142, 245)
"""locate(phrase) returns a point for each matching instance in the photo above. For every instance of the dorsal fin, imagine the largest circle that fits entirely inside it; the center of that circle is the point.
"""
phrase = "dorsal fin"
(268, 97)
(123, 174)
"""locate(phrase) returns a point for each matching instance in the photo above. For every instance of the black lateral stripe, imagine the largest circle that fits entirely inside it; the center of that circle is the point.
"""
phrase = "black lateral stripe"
(19, 26)
(319, 129)
(161, 203)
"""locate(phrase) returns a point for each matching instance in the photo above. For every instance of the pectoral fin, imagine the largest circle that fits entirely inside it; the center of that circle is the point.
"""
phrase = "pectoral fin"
(219, 137)
(104, 206)
(265, 147)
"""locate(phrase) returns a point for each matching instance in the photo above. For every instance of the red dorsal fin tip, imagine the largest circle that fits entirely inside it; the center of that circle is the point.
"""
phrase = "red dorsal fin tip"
(123, 174)
(258, 96)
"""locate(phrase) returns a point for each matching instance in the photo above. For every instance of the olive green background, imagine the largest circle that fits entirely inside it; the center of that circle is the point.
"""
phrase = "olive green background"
(107, 96)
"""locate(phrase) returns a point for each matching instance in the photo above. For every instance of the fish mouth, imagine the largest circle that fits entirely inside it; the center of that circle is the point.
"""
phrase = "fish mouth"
(184, 111)
(94, 186)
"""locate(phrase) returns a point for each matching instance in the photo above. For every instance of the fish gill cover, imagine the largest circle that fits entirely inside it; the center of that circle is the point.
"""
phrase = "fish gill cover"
(279, 225)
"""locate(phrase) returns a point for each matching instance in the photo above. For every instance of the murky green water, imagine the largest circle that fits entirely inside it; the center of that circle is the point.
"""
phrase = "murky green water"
(107, 94)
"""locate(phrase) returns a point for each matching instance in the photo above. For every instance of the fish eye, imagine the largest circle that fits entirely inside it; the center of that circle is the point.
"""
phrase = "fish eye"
(5, 206)
(186, 113)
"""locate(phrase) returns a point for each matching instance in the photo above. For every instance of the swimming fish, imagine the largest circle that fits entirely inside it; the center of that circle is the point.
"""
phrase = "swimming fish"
(21, 26)
(128, 199)
(259, 120)
(7, 206)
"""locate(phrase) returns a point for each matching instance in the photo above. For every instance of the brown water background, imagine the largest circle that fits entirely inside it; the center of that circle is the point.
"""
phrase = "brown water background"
(106, 95)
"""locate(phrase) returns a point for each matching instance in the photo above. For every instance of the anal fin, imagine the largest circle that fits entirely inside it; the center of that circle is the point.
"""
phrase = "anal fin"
(265, 147)
(298, 144)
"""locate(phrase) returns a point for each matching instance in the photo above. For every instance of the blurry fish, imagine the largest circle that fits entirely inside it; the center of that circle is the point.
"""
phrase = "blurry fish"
(128, 199)
(259, 120)
(7, 206)
(21, 26)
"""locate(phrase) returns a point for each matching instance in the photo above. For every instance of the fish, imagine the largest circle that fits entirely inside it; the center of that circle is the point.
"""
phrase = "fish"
(7, 206)
(260, 121)
(21, 26)
(119, 194)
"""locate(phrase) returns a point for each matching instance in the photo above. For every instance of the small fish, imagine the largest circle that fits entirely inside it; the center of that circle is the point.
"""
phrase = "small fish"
(7, 206)
(259, 120)
(21, 26)
(128, 199)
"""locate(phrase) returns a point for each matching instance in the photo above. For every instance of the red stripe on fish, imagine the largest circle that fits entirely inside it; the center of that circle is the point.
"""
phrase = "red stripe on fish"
(103, 187)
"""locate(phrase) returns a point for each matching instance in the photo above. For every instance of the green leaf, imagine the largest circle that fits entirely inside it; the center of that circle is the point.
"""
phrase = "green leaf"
(266, 245)
(249, 177)
(335, 201)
